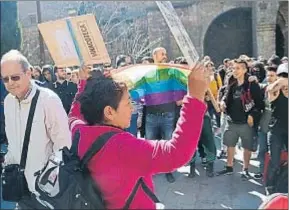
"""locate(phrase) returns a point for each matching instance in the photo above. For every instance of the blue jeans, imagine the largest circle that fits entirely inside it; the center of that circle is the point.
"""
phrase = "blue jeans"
(263, 149)
(133, 125)
(160, 125)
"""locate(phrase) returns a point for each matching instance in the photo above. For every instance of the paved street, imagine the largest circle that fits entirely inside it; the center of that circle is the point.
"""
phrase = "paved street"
(222, 192)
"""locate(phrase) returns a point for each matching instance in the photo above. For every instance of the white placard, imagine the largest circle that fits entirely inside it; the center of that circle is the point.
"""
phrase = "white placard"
(179, 32)
(65, 43)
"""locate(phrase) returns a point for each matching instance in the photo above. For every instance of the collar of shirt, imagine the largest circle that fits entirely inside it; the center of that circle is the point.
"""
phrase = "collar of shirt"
(29, 95)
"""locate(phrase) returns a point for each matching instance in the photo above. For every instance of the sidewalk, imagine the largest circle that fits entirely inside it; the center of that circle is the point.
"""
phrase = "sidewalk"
(201, 192)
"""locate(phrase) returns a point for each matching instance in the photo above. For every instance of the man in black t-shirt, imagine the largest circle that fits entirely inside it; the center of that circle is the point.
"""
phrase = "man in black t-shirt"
(243, 103)
(278, 126)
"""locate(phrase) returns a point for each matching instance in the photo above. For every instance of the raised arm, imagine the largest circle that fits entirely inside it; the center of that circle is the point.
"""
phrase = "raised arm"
(165, 156)
(75, 116)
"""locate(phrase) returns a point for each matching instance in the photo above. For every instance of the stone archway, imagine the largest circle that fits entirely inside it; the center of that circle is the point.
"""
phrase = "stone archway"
(229, 35)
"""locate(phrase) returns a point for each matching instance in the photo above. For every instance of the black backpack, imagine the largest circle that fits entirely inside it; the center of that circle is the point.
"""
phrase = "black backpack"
(65, 182)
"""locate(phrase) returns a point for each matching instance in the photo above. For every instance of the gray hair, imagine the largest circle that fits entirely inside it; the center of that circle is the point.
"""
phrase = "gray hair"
(15, 55)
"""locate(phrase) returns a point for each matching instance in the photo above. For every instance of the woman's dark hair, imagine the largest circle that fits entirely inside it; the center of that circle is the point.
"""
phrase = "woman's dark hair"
(100, 92)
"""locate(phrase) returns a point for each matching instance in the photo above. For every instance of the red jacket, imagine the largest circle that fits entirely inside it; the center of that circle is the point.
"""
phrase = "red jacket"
(124, 159)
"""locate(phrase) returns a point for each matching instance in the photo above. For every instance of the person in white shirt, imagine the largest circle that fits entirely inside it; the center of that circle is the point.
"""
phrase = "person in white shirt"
(49, 132)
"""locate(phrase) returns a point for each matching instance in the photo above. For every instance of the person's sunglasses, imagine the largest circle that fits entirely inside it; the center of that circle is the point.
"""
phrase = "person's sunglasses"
(14, 78)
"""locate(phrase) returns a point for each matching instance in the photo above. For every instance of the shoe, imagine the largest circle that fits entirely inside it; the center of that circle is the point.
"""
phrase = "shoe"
(204, 161)
(192, 173)
(258, 176)
(222, 155)
(269, 190)
(245, 174)
(228, 170)
(170, 178)
(210, 169)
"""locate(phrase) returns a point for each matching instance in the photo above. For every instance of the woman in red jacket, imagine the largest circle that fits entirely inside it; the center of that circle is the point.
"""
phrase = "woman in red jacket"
(104, 105)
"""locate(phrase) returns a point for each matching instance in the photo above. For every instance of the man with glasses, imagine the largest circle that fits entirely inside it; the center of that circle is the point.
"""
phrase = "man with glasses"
(65, 89)
(49, 131)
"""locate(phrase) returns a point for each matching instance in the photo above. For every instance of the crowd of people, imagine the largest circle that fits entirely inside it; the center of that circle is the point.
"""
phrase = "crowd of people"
(247, 100)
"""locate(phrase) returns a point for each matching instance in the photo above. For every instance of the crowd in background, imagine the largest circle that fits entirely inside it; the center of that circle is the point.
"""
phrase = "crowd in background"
(248, 101)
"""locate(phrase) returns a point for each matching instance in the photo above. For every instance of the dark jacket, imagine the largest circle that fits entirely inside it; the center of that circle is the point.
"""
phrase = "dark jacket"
(3, 93)
(251, 91)
(66, 92)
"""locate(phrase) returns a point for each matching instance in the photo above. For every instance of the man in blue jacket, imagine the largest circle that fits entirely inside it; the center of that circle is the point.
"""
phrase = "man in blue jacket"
(3, 139)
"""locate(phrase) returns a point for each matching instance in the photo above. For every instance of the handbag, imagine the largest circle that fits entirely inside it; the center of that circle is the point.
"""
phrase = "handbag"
(14, 184)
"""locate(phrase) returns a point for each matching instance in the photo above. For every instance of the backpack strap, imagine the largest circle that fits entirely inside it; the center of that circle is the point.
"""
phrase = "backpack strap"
(145, 188)
(75, 142)
(28, 130)
(96, 146)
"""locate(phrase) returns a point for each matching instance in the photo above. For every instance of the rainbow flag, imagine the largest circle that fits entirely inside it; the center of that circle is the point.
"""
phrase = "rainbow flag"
(154, 83)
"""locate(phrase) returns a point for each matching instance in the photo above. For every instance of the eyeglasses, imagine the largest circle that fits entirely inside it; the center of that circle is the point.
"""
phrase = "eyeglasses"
(14, 78)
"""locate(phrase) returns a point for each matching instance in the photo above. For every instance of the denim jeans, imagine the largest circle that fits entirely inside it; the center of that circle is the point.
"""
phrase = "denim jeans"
(207, 140)
(278, 139)
(133, 125)
(224, 123)
(160, 125)
(263, 149)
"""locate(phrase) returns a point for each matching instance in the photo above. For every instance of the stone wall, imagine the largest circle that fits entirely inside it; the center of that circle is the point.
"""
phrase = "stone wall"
(196, 16)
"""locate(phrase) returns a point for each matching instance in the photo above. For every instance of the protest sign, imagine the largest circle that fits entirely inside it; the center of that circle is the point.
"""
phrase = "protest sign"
(179, 32)
(182, 38)
(74, 41)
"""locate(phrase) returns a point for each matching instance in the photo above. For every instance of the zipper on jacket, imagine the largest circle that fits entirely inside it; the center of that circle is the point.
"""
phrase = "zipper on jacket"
(19, 129)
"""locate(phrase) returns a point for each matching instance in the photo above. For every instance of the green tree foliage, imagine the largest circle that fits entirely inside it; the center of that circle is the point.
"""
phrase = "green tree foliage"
(10, 30)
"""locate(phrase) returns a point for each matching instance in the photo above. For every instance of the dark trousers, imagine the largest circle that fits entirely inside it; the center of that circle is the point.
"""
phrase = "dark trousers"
(278, 140)
(207, 140)
(213, 113)
(143, 123)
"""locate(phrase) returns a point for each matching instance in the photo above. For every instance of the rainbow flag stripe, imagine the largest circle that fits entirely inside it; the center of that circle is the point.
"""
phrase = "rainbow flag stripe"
(155, 84)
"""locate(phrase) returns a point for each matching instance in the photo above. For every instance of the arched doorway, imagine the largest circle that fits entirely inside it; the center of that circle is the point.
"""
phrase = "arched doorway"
(230, 35)
(281, 31)
(279, 41)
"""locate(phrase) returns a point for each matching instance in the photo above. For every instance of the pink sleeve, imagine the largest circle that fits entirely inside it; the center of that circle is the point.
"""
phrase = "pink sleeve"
(166, 156)
(75, 116)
